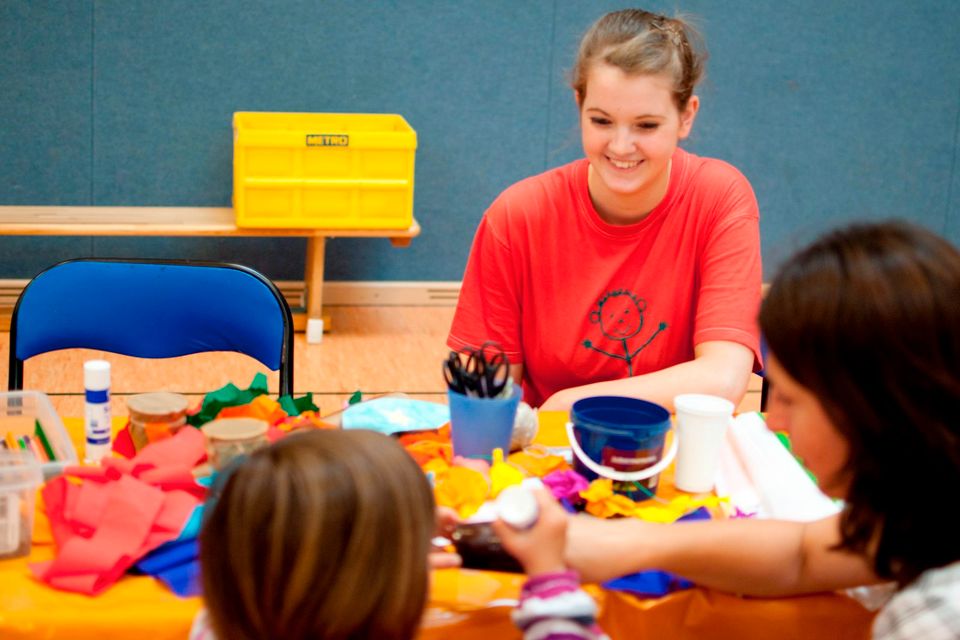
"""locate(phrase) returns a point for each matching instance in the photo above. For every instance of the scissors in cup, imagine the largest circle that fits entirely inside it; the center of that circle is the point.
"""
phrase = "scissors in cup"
(484, 373)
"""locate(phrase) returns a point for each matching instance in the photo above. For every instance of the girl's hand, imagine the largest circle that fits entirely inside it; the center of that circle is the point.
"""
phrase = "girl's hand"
(439, 557)
(539, 548)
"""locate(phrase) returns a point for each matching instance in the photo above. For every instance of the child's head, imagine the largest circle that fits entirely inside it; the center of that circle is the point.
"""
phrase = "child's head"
(642, 43)
(867, 321)
(323, 534)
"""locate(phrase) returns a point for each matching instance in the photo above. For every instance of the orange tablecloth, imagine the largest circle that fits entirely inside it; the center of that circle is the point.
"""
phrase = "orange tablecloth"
(140, 607)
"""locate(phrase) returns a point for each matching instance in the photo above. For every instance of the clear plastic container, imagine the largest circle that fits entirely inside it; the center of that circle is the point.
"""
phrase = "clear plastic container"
(21, 411)
(20, 475)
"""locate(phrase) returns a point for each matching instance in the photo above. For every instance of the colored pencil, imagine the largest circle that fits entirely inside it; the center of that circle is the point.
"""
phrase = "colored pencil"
(25, 443)
(38, 430)
(38, 449)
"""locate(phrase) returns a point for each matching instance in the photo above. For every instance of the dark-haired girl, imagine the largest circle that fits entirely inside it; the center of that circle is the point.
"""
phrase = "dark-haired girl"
(864, 335)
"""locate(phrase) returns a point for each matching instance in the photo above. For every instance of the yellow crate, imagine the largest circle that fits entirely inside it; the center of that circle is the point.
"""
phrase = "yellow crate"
(323, 170)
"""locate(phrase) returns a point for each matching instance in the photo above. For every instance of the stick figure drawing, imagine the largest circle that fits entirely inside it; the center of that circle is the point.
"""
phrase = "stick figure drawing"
(620, 316)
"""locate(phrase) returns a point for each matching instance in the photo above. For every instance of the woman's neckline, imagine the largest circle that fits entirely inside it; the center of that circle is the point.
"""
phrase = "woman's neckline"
(677, 167)
(631, 218)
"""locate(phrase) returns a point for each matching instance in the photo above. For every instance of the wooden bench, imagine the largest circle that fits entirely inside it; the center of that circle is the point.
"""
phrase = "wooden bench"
(191, 221)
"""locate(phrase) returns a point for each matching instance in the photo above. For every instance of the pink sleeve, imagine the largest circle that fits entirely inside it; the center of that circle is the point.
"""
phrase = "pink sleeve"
(731, 274)
(553, 606)
(489, 303)
(200, 629)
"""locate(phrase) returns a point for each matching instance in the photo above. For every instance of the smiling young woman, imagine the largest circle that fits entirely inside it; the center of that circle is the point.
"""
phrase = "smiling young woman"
(635, 270)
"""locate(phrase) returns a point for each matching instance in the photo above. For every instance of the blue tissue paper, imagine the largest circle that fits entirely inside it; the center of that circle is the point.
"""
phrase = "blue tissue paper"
(655, 584)
(395, 415)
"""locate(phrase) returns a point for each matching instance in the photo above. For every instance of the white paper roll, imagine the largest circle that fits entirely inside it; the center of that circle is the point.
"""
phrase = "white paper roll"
(786, 491)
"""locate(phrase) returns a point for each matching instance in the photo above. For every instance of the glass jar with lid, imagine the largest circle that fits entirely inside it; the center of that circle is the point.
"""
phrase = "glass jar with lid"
(228, 438)
(155, 416)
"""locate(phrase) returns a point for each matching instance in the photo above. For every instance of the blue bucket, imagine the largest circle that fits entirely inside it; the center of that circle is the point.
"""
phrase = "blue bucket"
(621, 438)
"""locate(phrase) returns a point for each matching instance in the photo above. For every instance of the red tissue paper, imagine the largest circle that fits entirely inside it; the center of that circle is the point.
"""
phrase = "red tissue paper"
(104, 519)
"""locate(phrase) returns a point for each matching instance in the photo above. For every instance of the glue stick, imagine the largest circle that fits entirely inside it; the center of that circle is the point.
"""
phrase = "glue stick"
(517, 506)
(96, 384)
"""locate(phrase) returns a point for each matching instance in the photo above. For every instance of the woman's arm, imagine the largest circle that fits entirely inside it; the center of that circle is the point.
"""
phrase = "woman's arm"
(719, 368)
(753, 557)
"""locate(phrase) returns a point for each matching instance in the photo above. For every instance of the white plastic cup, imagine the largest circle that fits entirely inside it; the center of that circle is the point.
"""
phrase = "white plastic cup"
(702, 422)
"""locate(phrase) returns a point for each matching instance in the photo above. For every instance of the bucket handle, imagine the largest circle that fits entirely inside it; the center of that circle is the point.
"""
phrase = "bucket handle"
(613, 474)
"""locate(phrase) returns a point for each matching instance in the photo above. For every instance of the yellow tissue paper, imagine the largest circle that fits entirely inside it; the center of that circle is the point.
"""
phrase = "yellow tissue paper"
(602, 502)
(536, 461)
(502, 474)
(461, 489)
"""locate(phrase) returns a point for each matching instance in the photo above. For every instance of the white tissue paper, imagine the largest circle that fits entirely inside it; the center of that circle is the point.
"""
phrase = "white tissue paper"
(524, 427)
(762, 477)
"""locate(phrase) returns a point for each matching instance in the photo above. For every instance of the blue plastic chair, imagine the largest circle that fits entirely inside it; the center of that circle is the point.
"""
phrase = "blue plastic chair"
(152, 309)
(764, 384)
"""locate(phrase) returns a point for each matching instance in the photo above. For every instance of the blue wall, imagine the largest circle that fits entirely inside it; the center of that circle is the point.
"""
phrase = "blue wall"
(834, 111)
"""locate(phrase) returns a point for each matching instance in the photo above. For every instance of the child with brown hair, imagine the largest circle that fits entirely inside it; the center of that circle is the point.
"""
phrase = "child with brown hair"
(323, 534)
(326, 534)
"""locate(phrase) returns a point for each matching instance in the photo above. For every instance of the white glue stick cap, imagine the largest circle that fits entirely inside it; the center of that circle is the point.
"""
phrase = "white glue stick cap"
(517, 506)
(96, 375)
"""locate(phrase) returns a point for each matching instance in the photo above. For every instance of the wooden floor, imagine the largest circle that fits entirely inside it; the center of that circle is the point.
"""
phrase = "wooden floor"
(374, 350)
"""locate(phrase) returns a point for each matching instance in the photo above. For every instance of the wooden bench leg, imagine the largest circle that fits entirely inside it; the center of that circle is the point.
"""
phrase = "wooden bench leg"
(313, 276)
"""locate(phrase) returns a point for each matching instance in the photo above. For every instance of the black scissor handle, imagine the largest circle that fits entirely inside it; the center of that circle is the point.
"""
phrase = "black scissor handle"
(496, 368)
(453, 372)
(480, 374)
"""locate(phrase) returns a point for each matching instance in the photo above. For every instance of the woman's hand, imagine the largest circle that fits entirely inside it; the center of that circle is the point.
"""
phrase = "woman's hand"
(540, 548)
(438, 557)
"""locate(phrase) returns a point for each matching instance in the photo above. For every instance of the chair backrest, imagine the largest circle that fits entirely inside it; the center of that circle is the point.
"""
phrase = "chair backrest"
(152, 309)
(765, 384)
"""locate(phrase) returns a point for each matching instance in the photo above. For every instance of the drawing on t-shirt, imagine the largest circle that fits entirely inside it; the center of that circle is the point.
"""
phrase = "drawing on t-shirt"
(620, 316)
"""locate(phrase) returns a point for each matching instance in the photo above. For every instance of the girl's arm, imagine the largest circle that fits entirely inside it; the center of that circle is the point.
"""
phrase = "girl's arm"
(753, 557)
(719, 368)
(552, 604)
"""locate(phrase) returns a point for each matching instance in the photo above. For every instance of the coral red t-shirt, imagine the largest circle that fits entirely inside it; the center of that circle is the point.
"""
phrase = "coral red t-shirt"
(578, 300)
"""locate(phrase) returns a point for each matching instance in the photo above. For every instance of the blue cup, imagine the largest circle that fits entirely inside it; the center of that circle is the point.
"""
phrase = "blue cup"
(480, 425)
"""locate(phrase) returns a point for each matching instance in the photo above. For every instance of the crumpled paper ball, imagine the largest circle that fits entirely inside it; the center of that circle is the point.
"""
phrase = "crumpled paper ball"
(524, 427)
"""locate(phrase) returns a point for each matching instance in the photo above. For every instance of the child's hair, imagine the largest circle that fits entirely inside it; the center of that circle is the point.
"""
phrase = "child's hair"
(868, 319)
(642, 43)
(323, 534)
